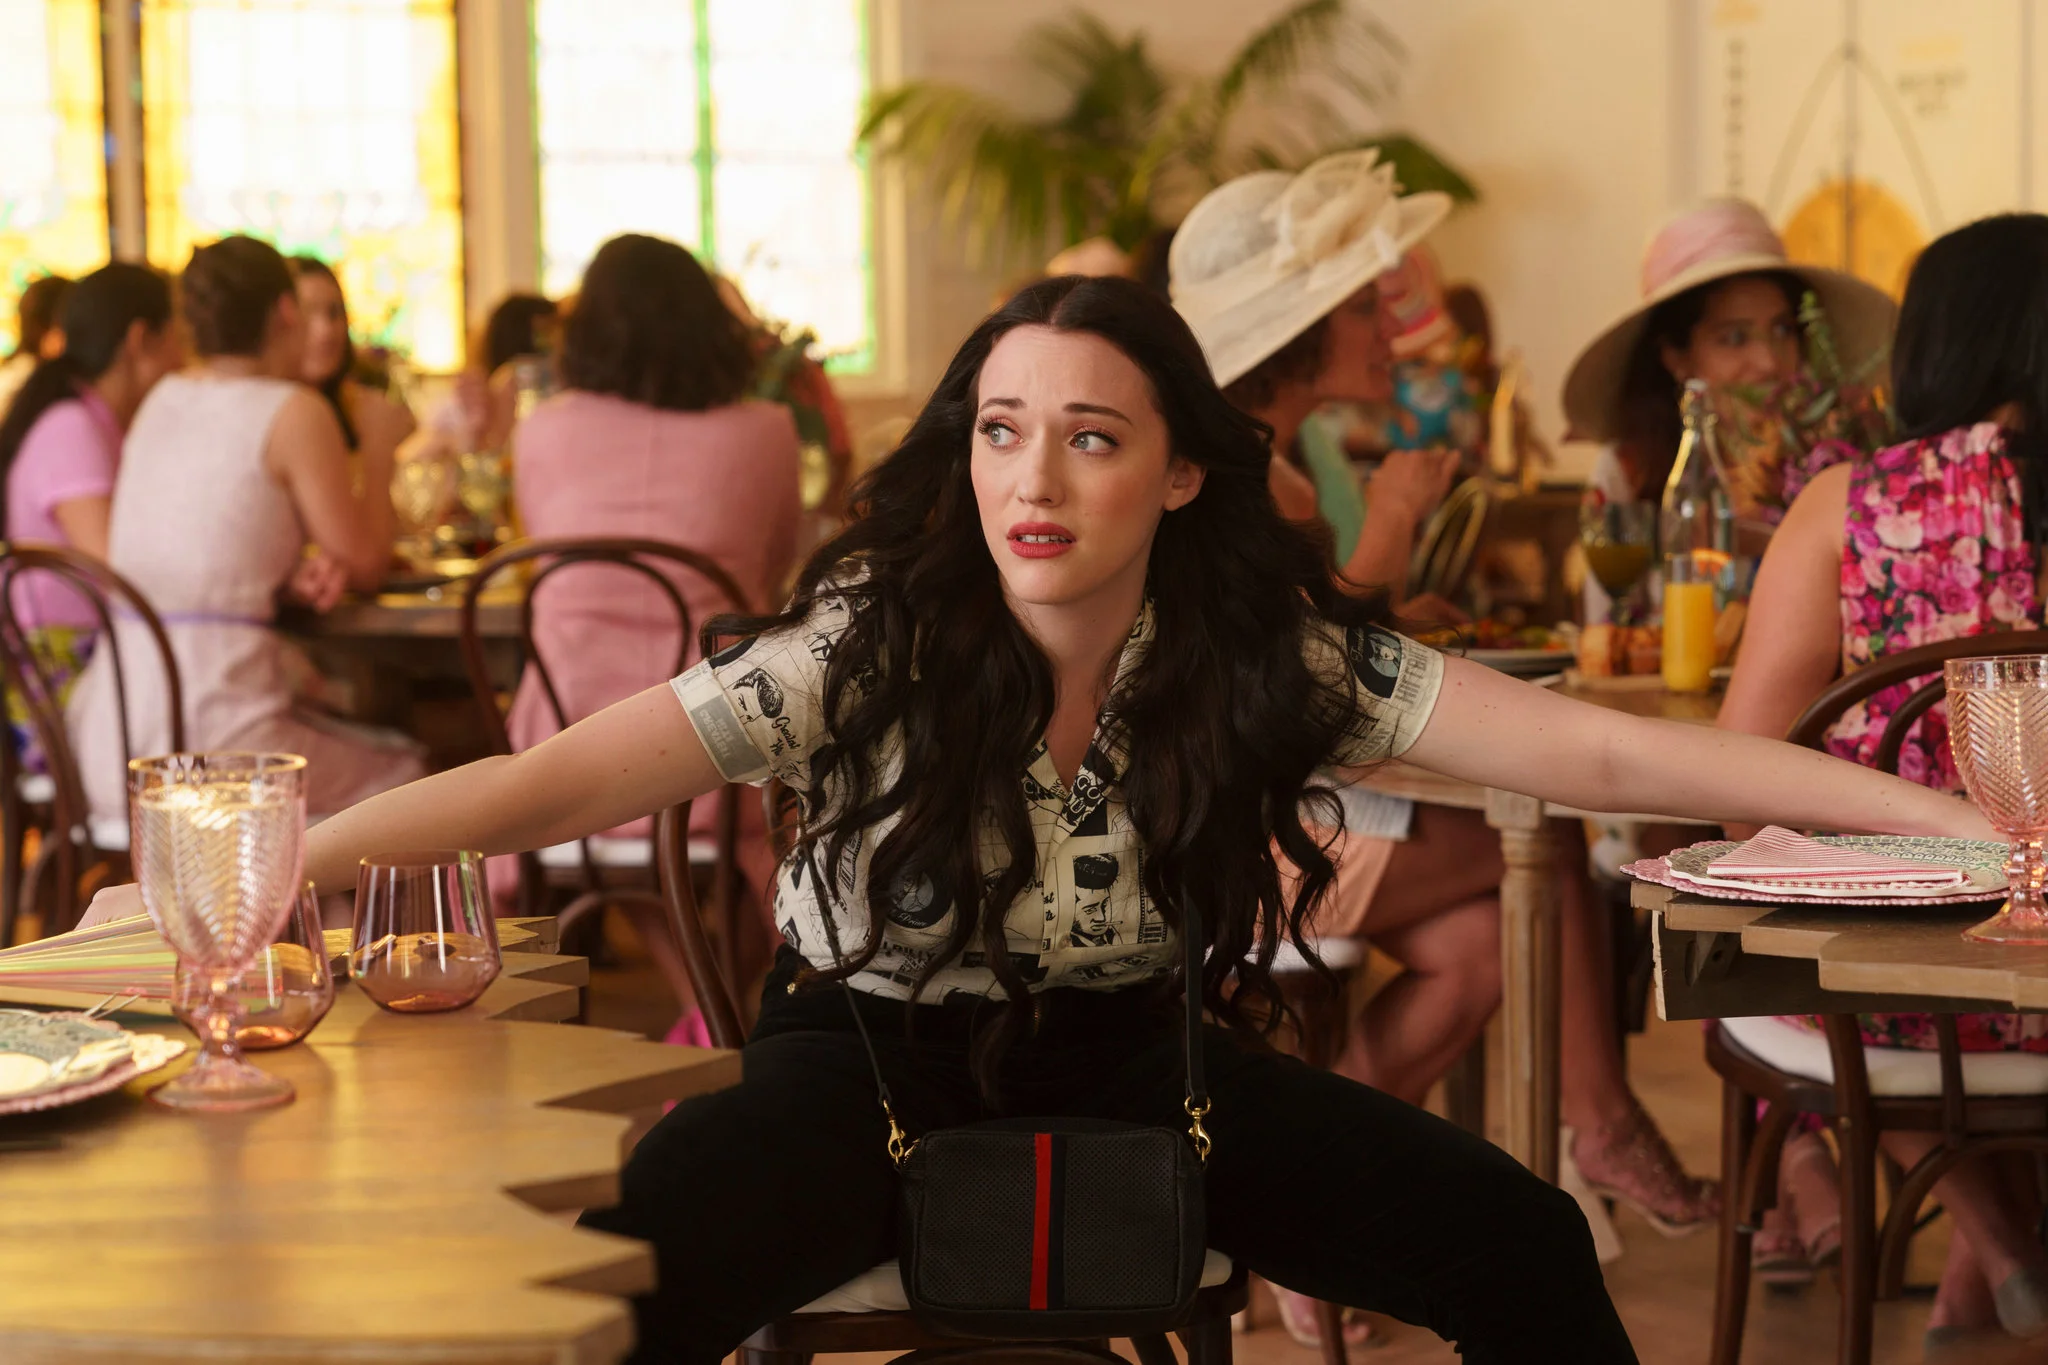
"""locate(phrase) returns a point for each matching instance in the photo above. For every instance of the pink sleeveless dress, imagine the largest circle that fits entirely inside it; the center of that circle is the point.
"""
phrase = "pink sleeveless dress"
(209, 537)
(1935, 549)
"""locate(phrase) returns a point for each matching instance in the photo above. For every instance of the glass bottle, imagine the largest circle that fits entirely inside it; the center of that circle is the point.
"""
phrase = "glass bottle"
(1697, 536)
(1698, 515)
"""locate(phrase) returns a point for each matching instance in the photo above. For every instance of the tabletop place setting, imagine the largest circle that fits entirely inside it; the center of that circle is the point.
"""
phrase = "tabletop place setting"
(1998, 737)
(232, 945)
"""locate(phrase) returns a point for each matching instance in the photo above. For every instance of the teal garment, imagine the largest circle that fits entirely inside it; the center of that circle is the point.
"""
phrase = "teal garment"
(1339, 497)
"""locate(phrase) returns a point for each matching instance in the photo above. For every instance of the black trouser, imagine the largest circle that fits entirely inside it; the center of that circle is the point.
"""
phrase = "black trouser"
(762, 1197)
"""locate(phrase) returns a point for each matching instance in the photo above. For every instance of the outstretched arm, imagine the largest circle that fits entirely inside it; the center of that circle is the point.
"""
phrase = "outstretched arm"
(1498, 732)
(630, 759)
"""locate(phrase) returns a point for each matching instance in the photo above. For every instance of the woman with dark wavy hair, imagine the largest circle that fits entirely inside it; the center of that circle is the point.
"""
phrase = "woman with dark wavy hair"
(1068, 622)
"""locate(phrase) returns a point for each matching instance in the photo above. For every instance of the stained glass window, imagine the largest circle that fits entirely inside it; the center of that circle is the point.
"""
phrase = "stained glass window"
(726, 125)
(325, 126)
(53, 171)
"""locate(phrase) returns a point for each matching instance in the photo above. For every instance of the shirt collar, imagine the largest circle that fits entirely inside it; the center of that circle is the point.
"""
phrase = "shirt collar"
(1103, 765)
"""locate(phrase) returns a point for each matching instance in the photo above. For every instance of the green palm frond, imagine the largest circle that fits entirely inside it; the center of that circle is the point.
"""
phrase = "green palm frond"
(1126, 134)
(1321, 35)
(1117, 90)
(1002, 176)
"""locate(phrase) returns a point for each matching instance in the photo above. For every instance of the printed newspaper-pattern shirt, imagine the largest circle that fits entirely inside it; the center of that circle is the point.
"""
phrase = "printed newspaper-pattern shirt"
(1085, 920)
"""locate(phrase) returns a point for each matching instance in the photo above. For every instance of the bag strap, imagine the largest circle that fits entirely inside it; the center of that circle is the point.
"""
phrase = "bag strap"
(1197, 1102)
(1196, 1105)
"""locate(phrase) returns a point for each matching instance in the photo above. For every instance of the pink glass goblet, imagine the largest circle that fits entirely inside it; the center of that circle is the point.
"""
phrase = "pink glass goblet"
(1998, 733)
(425, 940)
(286, 991)
(217, 841)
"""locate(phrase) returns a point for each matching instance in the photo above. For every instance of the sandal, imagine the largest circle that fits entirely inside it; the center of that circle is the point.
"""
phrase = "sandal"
(1298, 1316)
(1631, 1163)
(1777, 1257)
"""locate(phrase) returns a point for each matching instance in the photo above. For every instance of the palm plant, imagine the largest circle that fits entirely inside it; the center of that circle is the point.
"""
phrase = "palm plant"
(1131, 137)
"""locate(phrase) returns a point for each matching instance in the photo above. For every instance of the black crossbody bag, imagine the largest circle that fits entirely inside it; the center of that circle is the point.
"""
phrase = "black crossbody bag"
(1050, 1228)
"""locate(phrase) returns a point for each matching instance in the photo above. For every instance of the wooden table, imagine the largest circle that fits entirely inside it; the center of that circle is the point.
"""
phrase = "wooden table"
(1731, 959)
(396, 652)
(411, 1205)
(433, 614)
(1530, 940)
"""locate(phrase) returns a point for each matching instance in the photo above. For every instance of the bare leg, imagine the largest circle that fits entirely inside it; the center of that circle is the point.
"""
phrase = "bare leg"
(1423, 1021)
(1594, 1091)
(1978, 1200)
(1616, 1145)
(1963, 1298)
(1436, 913)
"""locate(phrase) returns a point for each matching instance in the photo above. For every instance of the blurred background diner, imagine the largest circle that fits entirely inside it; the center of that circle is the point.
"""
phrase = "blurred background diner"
(1687, 357)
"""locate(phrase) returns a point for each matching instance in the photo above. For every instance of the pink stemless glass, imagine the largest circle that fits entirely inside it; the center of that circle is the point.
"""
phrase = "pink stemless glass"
(1998, 733)
(217, 841)
(425, 940)
(285, 992)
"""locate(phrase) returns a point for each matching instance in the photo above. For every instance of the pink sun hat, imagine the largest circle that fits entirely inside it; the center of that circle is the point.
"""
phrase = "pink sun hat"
(1712, 241)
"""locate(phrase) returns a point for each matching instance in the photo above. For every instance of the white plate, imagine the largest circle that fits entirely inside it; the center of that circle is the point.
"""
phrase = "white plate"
(1983, 862)
(1519, 660)
(48, 1060)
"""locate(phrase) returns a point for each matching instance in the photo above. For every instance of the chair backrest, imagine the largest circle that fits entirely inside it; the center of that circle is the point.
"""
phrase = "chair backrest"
(655, 561)
(1890, 670)
(1449, 540)
(647, 558)
(708, 977)
(38, 678)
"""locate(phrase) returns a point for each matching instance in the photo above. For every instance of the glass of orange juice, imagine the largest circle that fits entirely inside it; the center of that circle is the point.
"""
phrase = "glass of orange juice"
(1688, 624)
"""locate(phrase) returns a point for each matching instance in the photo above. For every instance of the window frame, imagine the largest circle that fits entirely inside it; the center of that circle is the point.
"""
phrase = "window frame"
(499, 150)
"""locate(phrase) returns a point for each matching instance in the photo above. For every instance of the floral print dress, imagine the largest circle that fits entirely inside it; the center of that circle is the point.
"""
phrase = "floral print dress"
(1935, 549)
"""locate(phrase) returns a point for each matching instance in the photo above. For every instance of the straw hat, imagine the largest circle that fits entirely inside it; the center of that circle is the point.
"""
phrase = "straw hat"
(1265, 257)
(1717, 239)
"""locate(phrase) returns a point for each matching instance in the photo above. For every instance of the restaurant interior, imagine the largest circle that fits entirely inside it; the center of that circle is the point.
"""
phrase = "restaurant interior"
(1501, 539)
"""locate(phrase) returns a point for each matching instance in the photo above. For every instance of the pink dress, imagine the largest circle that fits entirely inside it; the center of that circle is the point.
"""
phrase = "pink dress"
(1935, 549)
(723, 483)
(204, 531)
(72, 452)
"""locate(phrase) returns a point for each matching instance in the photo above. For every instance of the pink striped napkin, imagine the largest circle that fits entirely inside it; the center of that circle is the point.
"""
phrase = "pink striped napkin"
(1782, 857)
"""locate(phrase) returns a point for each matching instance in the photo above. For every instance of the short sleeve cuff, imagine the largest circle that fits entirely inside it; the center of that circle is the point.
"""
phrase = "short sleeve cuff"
(718, 727)
(1415, 694)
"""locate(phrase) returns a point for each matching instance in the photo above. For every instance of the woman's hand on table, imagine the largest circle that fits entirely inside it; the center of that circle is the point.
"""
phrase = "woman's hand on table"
(1412, 482)
(318, 582)
(1495, 731)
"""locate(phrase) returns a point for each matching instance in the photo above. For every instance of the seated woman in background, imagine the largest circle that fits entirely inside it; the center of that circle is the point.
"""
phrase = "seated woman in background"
(39, 334)
(371, 422)
(477, 413)
(229, 471)
(1933, 539)
(654, 438)
(1720, 303)
(60, 445)
(1284, 335)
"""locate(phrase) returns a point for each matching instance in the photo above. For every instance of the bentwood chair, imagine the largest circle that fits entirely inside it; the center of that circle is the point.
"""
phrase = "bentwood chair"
(608, 870)
(870, 1312)
(1979, 1104)
(1448, 542)
(75, 843)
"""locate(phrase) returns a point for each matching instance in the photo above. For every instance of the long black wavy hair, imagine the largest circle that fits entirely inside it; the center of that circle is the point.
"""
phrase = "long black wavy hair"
(1225, 721)
(1973, 336)
(98, 313)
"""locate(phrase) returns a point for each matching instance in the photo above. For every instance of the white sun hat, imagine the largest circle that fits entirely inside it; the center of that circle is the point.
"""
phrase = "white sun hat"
(1266, 256)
